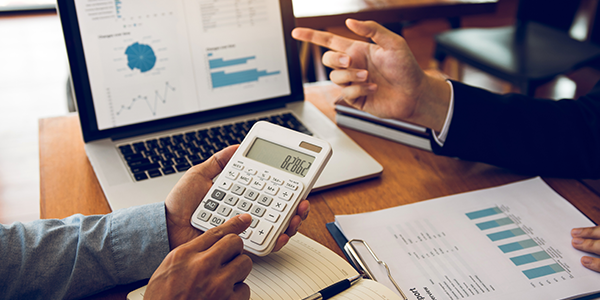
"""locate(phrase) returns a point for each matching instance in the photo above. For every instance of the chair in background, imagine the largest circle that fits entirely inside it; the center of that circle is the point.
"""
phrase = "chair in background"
(528, 54)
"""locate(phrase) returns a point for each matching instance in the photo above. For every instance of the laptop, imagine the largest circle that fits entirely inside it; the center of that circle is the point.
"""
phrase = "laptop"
(153, 80)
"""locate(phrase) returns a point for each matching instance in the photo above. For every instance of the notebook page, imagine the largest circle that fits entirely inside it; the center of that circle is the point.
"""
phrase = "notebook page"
(300, 269)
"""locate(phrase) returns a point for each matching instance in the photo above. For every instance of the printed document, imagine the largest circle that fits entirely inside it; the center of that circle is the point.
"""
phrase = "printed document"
(508, 242)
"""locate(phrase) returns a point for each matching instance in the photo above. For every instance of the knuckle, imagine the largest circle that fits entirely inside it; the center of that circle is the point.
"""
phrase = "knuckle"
(234, 241)
(593, 246)
(245, 262)
(328, 39)
(216, 232)
(241, 290)
(179, 253)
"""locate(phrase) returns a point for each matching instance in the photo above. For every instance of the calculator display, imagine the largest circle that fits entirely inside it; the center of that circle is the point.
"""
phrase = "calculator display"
(283, 158)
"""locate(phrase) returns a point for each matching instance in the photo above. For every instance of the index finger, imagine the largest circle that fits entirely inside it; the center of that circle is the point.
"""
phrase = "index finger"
(235, 225)
(322, 38)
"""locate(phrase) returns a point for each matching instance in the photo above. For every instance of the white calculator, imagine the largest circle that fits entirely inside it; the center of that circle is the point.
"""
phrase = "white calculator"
(271, 172)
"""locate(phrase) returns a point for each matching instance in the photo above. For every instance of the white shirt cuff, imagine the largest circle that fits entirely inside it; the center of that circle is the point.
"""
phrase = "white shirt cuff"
(441, 137)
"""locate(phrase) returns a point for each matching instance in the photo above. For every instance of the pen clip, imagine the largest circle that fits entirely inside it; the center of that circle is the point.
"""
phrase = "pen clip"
(358, 261)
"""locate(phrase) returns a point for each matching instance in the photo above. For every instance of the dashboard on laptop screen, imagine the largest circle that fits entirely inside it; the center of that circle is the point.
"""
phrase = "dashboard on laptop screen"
(151, 60)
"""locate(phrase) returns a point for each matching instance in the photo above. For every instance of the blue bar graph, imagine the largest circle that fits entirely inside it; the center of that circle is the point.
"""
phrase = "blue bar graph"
(505, 234)
(543, 271)
(118, 8)
(494, 223)
(529, 258)
(219, 62)
(507, 248)
(484, 213)
(220, 79)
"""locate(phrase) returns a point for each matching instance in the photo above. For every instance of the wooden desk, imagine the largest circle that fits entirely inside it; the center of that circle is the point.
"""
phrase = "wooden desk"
(320, 14)
(68, 183)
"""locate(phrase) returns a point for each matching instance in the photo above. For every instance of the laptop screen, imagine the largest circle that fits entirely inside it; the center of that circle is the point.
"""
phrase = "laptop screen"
(148, 64)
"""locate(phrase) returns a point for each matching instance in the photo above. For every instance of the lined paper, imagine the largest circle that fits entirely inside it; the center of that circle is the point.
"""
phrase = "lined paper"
(300, 269)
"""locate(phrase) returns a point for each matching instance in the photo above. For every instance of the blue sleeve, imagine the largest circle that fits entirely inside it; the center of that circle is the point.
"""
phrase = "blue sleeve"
(81, 255)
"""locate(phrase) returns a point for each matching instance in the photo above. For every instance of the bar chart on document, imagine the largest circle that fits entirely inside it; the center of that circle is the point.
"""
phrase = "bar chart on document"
(455, 268)
(539, 262)
(499, 243)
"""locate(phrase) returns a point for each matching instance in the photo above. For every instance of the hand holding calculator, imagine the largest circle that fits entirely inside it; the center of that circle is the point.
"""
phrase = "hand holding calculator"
(271, 172)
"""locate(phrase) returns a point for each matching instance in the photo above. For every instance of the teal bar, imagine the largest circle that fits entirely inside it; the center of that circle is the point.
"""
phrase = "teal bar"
(518, 246)
(483, 213)
(529, 258)
(494, 223)
(219, 62)
(505, 234)
(543, 271)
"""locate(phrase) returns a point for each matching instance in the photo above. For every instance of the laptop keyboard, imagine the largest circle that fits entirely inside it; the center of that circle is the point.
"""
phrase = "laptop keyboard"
(178, 152)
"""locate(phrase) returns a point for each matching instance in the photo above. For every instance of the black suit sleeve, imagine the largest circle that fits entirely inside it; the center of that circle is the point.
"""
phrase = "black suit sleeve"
(532, 136)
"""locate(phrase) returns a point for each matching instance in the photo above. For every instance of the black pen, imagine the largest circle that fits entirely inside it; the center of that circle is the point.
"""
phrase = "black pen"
(334, 289)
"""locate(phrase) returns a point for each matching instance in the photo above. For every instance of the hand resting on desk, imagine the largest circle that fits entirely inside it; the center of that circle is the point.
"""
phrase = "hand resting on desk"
(208, 265)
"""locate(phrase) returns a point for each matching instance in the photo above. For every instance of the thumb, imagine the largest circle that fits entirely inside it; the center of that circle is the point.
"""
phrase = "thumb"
(215, 164)
(375, 31)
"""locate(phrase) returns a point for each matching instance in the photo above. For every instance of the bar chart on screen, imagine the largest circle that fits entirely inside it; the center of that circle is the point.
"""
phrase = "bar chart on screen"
(221, 78)
(230, 66)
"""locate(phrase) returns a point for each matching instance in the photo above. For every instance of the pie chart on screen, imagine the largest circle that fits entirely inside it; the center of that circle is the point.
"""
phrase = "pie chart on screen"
(141, 57)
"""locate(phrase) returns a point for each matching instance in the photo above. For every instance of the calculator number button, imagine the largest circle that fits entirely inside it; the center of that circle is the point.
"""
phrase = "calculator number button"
(203, 216)
(231, 200)
(265, 200)
(258, 211)
(238, 189)
(251, 195)
(216, 220)
(244, 205)
(224, 210)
